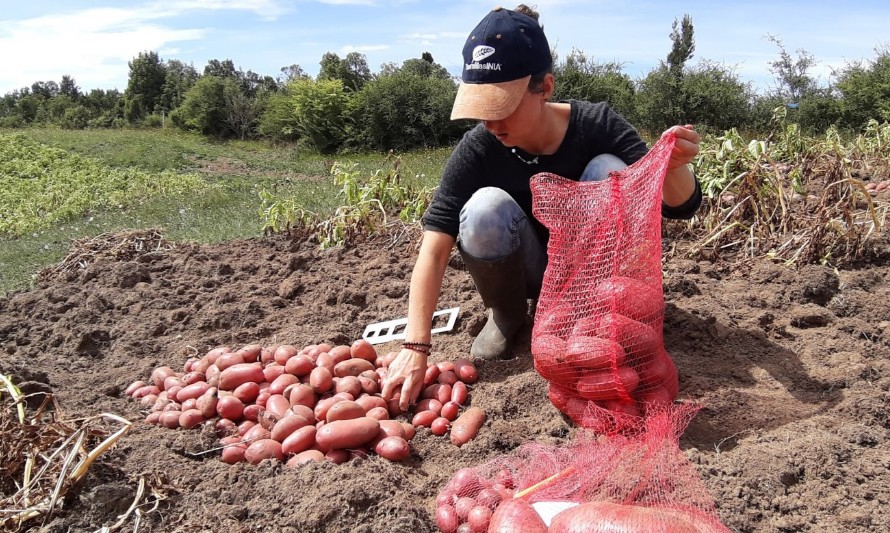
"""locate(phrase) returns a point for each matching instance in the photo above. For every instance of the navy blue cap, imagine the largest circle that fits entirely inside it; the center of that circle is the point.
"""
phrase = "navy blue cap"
(506, 48)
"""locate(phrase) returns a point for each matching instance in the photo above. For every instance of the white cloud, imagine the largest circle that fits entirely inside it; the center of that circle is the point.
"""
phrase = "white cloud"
(94, 45)
(364, 48)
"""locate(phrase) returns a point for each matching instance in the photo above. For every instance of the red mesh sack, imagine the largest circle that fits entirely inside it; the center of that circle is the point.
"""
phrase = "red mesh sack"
(597, 336)
(632, 482)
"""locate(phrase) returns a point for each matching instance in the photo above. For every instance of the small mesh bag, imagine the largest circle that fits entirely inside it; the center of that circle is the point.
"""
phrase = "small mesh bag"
(638, 481)
(597, 336)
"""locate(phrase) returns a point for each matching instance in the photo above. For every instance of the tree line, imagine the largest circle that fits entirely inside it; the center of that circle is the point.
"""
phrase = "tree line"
(347, 107)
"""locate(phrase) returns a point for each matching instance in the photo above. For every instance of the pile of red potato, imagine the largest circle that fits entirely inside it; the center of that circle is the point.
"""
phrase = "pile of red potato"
(317, 403)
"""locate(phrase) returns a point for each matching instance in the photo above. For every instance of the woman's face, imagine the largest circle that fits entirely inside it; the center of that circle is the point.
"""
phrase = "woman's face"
(522, 128)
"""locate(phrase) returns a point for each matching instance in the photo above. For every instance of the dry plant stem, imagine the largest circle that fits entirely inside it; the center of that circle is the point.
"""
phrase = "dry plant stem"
(16, 396)
(541, 484)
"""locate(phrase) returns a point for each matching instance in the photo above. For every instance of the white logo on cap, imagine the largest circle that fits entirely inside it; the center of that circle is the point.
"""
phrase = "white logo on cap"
(481, 52)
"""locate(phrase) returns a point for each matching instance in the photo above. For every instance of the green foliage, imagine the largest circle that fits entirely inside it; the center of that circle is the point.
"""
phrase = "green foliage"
(178, 80)
(144, 86)
(352, 71)
(866, 90)
(310, 110)
(579, 78)
(40, 186)
(402, 111)
(213, 106)
(365, 208)
(683, 43)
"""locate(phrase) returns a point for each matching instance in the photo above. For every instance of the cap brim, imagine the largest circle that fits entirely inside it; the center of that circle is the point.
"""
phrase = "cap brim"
(488, 101)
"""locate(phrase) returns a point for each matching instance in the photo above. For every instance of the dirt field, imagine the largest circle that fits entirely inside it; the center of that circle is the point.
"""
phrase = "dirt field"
(791, 366)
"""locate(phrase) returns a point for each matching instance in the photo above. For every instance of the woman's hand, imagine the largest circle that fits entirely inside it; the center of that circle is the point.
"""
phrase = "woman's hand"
(408, 370)
(686, 147)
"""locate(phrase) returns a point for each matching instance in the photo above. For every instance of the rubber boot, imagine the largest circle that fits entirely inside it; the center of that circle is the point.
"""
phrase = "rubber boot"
(501, 284)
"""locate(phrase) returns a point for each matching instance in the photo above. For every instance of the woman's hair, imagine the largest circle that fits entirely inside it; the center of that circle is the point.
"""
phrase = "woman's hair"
(535, 84)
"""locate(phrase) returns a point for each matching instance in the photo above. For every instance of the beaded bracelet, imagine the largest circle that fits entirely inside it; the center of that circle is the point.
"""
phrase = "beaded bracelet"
(422, 347)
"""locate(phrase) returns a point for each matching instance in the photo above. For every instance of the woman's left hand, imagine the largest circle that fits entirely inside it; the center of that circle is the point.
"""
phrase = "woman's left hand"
(686, 147)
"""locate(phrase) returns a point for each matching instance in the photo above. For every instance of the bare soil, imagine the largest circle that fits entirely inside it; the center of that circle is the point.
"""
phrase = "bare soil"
(790, 365)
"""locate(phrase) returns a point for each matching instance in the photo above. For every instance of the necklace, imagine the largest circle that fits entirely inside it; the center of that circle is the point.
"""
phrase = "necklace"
(532, 161)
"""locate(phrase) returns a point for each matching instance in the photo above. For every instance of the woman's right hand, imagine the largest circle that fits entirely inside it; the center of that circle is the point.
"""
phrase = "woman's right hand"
(408, 370)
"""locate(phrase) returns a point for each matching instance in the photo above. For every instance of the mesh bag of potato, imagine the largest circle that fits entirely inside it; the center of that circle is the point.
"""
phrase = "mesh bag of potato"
(597, 336)
(632, 482)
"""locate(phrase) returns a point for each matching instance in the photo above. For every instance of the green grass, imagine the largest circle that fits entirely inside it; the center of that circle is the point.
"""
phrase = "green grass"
(226, 210)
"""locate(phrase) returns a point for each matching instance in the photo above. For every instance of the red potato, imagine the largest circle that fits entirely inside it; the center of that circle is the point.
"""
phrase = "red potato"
(446, 519)
(146, 390)
(467, 426)
(263, 449)
(616, 517)
(440, 426)
(387, 359)
(236, 375)
(282, 382)
(228, 360)
(338, 456)
(445, 366)
(369, 385)
(479, 518)
(394, 448)
(254, 433)
(339, 353)
(380, 413)
(305, 412)
(362, 349)
(430, 404)
(392, 428)
(284, 427)
(654, 398)
(437, 391)
(424, 418)
(214, 354)
(267, 354)
(448, 378)
(459, 393)
(307, 456)
(490, 498)
(555, 321)
(549, 355)
(516, 515)
(190, 418)
(133, 387)
(463, 506)
(189, 404)
(594, 353)
(622, 407)
(193, 391)
(343, 434)
(302, 395)
(153, 418)
(230, 407)
(323, 405)
(202, 365)
(251, 353)
(283, 353)
(272, 371)
(191, 378)
(345, 410)
(158, 375)
(321, 380)
(352, 367)
(225, 426)
(369, 402)
(637, 339)
(431, 375)
(169, 419)
(345, 396)
(410, 430)
(299, 366)
(300, 440)
(278, 405)
(466, 371)
(233, 453)
(245, 426)
(252, 412)
(393, 406)
(607, 385)
(324, 360)
(173, 381)
(247, 392)
(450, 410)
(262, 398)
(348, 384)
(189, 364)
(212, 373)
(630, 297)
(150, 400)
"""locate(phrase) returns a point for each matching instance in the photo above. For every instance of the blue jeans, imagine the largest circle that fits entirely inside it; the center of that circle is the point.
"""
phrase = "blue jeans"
(493, 226)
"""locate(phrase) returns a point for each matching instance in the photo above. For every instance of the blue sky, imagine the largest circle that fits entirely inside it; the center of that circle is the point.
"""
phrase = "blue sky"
(93, 40)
